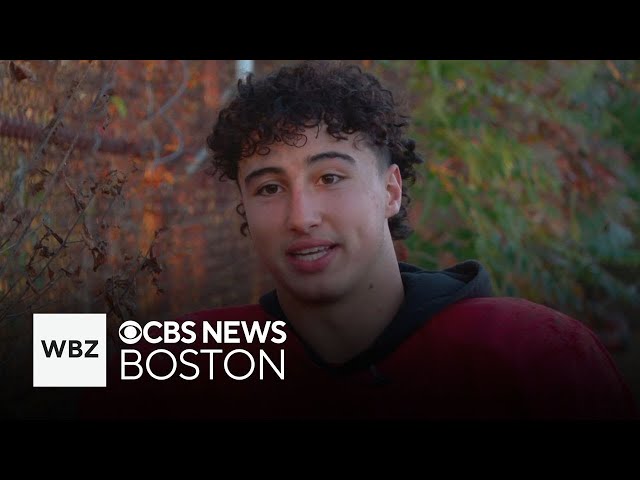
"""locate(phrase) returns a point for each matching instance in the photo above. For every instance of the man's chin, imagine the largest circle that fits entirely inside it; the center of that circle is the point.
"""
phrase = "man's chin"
(315, 294)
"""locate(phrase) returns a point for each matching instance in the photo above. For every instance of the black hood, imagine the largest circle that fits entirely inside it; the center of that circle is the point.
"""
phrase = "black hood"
(425, 294)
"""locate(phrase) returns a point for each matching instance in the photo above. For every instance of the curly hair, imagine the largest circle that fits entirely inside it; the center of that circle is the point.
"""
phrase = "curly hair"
(278, 107)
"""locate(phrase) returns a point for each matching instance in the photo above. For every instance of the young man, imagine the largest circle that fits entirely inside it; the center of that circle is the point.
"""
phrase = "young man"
(318, 154)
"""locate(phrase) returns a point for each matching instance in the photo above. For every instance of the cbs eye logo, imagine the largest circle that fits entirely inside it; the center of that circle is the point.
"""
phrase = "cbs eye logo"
(130, 332)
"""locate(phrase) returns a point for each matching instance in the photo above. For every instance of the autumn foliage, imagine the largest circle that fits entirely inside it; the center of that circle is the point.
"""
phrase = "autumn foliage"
(104, 200)
(105, 204)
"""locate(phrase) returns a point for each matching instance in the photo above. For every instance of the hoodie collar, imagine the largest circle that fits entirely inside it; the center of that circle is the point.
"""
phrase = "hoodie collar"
(426, 293)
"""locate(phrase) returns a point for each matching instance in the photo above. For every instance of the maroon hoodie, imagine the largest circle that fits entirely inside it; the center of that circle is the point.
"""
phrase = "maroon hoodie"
(451, 352)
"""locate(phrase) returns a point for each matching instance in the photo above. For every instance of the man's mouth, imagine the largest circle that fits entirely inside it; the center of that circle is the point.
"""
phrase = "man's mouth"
(311, 254)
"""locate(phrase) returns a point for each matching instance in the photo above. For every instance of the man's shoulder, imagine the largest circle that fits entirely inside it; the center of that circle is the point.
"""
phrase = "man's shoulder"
(249, 312)
(549, 358)
(513, 325)
(508, 313)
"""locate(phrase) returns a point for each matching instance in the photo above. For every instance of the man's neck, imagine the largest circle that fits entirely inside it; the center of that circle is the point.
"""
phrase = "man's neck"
(340, 330)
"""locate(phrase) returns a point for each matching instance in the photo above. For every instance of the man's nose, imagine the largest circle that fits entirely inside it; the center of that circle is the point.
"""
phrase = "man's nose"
(304, 211)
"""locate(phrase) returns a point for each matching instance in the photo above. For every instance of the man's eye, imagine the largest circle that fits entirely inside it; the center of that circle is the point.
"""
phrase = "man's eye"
(330, 179)
(269, 189)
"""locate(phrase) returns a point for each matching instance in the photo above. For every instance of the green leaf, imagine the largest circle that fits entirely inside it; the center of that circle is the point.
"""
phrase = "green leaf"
(120, 105)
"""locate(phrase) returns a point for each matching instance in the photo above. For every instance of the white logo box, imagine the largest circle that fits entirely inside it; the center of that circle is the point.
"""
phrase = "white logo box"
(76, 348)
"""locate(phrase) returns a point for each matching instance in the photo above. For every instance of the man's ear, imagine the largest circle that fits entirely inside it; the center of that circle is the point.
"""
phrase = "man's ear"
(393, 185)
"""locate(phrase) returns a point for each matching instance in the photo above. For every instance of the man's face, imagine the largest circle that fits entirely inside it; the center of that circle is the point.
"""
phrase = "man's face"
(318, 213)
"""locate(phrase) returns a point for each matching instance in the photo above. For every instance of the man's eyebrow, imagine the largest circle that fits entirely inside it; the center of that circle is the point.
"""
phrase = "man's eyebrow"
(260, 172)
(331, 154)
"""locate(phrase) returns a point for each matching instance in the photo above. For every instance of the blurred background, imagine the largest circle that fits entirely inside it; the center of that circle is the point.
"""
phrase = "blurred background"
(107, 203)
